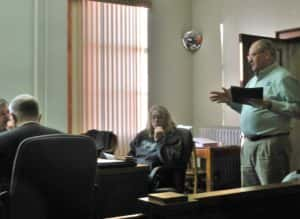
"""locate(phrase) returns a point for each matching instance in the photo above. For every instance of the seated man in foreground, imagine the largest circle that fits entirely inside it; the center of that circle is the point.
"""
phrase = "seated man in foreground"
(162, 144)
(25, 113)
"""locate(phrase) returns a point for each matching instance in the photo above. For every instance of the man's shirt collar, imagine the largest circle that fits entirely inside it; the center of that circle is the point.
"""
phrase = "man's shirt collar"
(27, 122)
(262, 73)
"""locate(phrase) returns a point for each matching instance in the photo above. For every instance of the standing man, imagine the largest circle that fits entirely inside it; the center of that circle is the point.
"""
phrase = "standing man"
(4, 114)
(265, 123)
(25, 113)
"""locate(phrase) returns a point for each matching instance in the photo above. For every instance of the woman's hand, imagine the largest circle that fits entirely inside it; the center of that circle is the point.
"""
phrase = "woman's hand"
(159, 132)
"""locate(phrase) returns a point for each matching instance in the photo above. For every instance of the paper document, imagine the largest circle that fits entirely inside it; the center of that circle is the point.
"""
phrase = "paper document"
(101, 160)
(205, 142)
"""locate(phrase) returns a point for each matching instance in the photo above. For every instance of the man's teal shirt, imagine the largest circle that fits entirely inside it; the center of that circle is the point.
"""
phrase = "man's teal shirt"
(283, 90)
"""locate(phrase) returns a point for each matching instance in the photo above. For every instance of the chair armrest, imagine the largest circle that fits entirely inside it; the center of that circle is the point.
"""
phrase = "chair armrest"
(155, 179)
(3, 195)
(4, 204)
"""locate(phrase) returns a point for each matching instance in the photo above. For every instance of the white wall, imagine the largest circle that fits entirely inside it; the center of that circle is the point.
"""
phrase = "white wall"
(56, 63)
(207, 63)
(33, 55)
(170, 64)
(16, 53)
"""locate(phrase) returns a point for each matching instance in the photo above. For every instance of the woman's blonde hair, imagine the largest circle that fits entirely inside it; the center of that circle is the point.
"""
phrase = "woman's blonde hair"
(168, 125)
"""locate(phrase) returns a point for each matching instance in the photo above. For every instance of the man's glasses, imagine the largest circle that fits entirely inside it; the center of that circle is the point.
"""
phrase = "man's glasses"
(254, 54)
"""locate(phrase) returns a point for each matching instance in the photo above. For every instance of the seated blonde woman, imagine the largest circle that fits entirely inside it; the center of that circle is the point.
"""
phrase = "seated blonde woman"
(162, 144)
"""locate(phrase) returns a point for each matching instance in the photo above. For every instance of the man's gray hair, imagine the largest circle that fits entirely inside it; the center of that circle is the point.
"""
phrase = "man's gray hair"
(24, 106)
(267, 45)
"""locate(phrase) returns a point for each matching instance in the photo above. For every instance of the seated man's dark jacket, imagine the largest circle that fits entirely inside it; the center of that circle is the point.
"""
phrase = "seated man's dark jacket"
(9, 142)
(173, 150)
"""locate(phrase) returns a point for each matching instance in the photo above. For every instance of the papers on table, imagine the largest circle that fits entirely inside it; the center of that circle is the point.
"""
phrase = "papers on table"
(205, 142)
(109, 156)
(114, 163)
(101, 160)
(188, 127)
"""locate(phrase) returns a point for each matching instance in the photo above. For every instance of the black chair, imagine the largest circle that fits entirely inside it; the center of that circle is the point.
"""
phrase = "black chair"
(165, 178)
(53, 178)
(225, 167)
(106, 141)
(293, 176)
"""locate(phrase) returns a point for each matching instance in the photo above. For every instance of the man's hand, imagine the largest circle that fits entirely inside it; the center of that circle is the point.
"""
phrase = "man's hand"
(221, 97)
(159, 132)
(258, 103)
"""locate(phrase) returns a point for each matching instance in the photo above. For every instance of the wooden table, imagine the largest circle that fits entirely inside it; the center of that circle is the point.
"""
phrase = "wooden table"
(119, 188)
(214, 158)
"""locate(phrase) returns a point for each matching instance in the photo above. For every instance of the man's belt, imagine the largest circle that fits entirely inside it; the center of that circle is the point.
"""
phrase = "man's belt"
(259, 137)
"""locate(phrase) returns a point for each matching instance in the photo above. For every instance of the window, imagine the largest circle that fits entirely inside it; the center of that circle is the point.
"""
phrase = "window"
(108, 68)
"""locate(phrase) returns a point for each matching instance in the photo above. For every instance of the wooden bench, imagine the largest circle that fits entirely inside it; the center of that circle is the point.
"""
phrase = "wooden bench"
(276, 200)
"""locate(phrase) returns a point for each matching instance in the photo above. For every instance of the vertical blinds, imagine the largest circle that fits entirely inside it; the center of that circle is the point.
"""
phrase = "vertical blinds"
(114, 69)
(142, 3)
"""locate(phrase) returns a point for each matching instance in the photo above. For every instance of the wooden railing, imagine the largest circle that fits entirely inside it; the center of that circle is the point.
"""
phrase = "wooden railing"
(276, 200)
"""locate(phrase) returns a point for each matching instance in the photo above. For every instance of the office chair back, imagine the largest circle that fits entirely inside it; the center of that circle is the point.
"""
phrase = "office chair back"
(164, 178)
(106, 141)
(53, 177)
